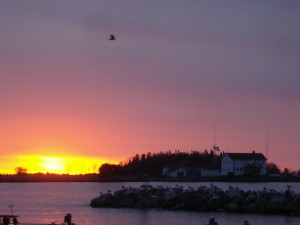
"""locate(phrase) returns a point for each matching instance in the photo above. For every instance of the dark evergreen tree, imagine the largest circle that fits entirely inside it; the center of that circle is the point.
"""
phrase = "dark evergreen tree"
(273, 168)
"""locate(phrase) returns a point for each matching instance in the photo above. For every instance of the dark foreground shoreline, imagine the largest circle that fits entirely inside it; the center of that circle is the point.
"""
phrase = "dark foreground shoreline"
(202, 199)
(98, 178)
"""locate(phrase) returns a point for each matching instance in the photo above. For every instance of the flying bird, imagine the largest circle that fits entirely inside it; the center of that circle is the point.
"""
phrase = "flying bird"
(112, 37)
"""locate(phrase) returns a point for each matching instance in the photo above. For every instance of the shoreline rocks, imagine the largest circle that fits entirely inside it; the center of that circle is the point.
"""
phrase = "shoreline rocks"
(202, 199)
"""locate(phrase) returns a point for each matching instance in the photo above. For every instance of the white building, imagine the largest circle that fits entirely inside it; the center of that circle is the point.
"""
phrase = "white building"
(190, 172)
(235, 163)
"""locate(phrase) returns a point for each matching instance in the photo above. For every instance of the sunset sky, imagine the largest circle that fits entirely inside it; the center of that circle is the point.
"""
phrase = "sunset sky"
(71, 99)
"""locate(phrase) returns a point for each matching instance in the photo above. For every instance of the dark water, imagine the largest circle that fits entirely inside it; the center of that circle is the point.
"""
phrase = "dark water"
(49, 202)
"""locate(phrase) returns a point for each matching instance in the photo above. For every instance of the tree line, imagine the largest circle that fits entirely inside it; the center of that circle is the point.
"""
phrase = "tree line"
(152, 164)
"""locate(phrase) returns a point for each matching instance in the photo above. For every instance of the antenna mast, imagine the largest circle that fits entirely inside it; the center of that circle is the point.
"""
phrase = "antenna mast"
(215, 148)
(214, 136)
(267, 145)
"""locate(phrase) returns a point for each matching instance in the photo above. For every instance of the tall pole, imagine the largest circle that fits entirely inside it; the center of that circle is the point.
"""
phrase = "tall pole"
(267, 145)
(214, 136)
(11, 208)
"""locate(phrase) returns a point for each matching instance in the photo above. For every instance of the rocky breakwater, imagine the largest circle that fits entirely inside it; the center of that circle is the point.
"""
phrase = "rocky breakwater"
(202, 199)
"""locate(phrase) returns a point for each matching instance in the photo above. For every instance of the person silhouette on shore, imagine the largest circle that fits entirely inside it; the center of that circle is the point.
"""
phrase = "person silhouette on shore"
(212, 221)
(112, 37)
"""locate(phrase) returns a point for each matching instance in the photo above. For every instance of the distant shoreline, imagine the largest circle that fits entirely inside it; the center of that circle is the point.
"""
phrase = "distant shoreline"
(98, 178)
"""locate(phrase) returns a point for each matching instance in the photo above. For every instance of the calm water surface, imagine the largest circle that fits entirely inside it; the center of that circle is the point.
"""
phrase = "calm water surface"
(49, 202)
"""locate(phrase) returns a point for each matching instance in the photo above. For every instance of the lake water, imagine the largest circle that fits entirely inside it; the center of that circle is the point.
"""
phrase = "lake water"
(49, 202)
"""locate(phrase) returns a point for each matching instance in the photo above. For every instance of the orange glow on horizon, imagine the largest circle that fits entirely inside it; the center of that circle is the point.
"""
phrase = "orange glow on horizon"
(55, 164)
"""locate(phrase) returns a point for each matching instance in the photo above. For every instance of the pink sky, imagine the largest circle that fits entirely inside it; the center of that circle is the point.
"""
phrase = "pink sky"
(176, 70)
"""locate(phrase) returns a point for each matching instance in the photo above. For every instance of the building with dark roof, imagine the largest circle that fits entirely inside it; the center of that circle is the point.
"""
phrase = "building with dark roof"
(185, 169)
(243, 164)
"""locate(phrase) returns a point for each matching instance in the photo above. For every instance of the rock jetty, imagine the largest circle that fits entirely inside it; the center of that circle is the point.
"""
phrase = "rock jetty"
(266, 201)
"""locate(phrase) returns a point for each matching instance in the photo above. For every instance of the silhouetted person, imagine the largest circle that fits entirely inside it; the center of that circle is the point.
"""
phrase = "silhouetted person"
(15, 221)
(5, 220)
(212, 221)
(112, 37)
(68, 219)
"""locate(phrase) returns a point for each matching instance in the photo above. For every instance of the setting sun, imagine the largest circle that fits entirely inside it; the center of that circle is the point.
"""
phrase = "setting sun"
(53, 165)
(56, 164)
